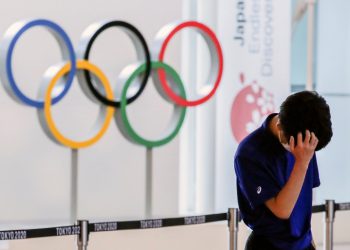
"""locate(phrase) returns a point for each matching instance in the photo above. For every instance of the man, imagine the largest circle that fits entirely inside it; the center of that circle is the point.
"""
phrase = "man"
(276, 171)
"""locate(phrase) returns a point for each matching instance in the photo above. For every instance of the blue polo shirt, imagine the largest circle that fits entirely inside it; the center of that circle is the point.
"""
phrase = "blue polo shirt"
(262, 168)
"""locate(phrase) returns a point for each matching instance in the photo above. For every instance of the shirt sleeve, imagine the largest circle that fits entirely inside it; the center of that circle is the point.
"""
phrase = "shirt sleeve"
(255, 181)
(316, 176)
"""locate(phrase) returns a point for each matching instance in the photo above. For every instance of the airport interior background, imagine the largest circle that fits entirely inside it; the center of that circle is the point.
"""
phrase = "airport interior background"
(241, 59)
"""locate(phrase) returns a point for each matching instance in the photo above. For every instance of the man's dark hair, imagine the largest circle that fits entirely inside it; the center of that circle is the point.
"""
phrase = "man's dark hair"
(306, 110)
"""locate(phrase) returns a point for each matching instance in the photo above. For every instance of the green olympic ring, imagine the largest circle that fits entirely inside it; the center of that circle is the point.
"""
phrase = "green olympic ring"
(177, 118)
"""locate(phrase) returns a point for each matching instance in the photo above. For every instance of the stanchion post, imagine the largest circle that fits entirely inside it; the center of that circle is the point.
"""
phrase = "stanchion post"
(329, 220)
(74, 186)
(149, 183)
(83, 237)
(233, 220)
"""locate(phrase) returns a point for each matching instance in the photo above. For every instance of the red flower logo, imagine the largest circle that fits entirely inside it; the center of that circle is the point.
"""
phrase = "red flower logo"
(250, 107)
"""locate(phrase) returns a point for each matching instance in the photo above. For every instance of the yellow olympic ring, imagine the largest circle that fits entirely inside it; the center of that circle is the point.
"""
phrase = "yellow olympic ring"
(81, 64)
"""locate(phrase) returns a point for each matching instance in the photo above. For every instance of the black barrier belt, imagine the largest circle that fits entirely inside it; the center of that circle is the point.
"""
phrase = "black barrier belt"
(156, 223)
(126, 225)
(40, 232)
(337, 207)
(318, 208)
(110, 226)
(342, 206)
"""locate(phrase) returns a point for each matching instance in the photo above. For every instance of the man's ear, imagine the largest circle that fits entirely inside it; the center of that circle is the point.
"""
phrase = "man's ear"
(278, 124)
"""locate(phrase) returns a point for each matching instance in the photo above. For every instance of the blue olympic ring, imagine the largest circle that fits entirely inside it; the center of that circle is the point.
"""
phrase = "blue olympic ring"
(58, 33)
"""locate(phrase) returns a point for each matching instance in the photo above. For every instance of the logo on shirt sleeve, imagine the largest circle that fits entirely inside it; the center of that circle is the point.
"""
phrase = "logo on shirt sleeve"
(258, 190)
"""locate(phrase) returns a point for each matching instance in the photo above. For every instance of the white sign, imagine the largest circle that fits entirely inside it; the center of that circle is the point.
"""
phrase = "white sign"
(255, 37)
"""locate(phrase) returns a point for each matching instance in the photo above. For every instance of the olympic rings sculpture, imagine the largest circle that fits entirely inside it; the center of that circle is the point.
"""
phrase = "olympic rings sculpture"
(95, 84)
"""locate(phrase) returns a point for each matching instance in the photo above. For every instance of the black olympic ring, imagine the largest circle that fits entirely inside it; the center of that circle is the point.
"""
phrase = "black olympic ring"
(133, 33)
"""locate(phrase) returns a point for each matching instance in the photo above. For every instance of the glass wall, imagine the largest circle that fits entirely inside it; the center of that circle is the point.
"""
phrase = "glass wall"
(332, 80)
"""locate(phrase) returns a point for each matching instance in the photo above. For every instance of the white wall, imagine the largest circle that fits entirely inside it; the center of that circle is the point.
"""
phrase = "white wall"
(35, 172)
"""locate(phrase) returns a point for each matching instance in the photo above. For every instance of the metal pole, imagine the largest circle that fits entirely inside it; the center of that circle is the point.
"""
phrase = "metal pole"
(233, 227)
(329, 219)
(149, 183)
(74, 186)
(83, 237)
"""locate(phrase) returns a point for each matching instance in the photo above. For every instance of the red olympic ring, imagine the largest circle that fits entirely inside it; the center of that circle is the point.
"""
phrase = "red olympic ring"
(162, 75)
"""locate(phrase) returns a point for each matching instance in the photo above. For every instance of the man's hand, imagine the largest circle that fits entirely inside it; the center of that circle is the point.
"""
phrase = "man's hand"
(304, 150)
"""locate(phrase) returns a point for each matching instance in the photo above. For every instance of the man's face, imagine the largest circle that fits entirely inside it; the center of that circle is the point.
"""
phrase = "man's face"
(282, 138)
